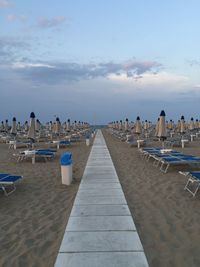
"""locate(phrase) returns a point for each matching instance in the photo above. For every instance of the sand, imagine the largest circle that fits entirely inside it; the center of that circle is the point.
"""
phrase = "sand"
(34, 217)
(167, 217)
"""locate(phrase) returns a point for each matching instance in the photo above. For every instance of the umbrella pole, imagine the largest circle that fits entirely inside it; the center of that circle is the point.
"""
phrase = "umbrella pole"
(163, 144)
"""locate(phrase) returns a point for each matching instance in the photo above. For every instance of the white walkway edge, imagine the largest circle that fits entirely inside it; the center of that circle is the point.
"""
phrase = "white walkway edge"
(100, 231)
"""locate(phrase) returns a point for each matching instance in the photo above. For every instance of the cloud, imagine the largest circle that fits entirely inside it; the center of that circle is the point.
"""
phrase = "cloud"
(160, 83)
(150, 79)
(22, 65)
(5, 4)
(193, 63)
(11, 48)
(27, 84)
(13, 17)
(46, 72)
(45, 23)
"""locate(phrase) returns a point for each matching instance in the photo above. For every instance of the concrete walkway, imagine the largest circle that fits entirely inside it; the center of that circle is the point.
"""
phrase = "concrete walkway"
(100, 231)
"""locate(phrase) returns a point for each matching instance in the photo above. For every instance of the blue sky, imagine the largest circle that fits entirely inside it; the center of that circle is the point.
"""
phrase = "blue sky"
(106, 59)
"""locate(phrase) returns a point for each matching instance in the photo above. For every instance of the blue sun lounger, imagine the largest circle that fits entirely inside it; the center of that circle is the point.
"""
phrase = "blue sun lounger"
(182, 160)
(7, 183)
(193, 179)
(47, 149)
(165, 158)
(39, 153)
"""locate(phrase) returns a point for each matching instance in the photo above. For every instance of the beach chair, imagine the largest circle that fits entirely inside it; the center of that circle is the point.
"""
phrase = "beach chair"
(193, 182)
(16, 144)
(176, 160)
(7, 183)
(59, 143)
(33, 154)
(167, 156)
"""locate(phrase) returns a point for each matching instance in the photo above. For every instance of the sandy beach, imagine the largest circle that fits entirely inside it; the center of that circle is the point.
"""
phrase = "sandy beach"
(34, 217)
(167, 217)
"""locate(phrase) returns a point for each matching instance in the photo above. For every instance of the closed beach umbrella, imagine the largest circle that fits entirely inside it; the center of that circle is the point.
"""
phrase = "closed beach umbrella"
(75, 125)
(117, 125)
(54, 127)
(68, 125)
(37, 125)
(6, 126)
(2, 126)
(14, 127)
(182, 125)
(146, 125)
(31, 131)
(126, 125)
(120, 125)
(197, 124)
(26, 126)
(170, 125)
(18, 127)
(191, 125)
(65, 126)
(138, 126)
(178, 126)
(57, 128)
(162, 126)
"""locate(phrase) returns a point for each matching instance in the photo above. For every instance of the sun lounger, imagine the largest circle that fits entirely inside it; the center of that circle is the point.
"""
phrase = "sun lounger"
(16, 144)
(59, 143)
(33, 154)
(193, 182)
(160, 156)
(7, 183)
(187, 160)
(148, 153)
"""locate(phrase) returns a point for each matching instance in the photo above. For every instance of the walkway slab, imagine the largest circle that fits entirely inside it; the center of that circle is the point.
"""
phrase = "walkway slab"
(100, 241)
(97, 192)
(101, 223)
(101, 186)
(100, 200)
(100, 230)
(100, 210)
(99, 259)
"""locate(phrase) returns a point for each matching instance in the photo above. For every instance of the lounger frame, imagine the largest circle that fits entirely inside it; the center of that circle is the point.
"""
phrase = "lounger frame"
(8, 184)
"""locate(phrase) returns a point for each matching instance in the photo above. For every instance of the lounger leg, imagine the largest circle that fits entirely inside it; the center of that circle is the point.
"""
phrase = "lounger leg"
(196, 190)
(7, 193)
(33, 159)
(159, 163)
(165, 171)
(162, 167)
(19, 159)
(156, 162)
(188, 189)
(188, 181)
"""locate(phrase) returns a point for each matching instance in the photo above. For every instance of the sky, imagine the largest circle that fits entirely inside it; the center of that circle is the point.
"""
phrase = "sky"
(99, 61)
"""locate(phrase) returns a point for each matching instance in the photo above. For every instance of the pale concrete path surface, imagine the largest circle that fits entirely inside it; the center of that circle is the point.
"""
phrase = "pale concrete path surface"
(100, 231)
